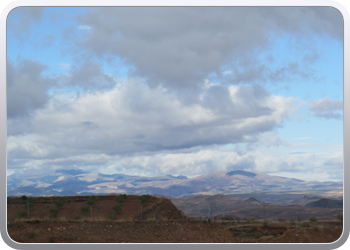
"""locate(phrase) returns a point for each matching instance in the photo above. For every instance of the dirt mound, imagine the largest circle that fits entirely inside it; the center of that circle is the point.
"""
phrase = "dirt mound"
(152, 208)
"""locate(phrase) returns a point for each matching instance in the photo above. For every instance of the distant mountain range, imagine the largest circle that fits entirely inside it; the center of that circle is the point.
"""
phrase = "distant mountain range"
(77, 182)
(240, 207)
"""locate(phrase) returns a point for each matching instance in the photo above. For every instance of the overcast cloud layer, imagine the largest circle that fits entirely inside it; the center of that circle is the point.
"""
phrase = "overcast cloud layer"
(179, 47)
(155, 91)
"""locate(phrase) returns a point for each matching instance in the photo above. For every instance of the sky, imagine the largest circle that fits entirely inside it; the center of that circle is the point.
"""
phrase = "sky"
(152, 91)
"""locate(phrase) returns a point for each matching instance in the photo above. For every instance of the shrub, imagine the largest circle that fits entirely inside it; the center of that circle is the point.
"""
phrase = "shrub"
(54, 212)
(23, 198)
(144, 198)
(313, 219)
(281, 219)
(84, 210)
(30, 202)
(92, 200)
(60, 202)
(121, 198)
(22, 214)
(78, 217)
(292, 222)
(117, 208)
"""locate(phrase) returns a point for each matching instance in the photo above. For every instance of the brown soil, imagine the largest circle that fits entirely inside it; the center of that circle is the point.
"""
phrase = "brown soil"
(283, 232)
(172, 231)
(161, 222)
(119, 232)
(155, 208)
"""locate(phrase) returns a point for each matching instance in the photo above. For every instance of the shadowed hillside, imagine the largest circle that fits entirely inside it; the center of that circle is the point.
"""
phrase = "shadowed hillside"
(326, 203)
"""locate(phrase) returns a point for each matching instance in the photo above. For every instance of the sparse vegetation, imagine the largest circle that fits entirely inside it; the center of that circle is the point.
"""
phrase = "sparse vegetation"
(144, 198)
(112, 217)
(265, 223)
(84, 210)
(313, 219)
(30, 202)
(60, 202)
(117, 209)
(22, 214)
(305, 224)
(121, 198)
(54, 212)
(79, 217)
(157, 226)
(92, 200)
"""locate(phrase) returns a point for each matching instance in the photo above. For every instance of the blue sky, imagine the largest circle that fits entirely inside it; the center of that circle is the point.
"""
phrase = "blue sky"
(138, 91)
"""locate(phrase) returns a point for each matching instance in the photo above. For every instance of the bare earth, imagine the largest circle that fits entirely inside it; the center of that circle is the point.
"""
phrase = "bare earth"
(161, 222)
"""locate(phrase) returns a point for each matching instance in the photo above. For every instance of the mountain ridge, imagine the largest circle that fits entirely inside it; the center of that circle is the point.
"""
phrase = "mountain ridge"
(70, 182)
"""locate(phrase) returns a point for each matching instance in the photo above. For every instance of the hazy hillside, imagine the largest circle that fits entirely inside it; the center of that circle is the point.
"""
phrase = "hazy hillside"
(226, 206)
(327, 203)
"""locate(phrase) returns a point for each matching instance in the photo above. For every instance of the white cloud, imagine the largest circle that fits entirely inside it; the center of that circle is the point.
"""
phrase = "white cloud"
(26, 88)
(327, 108)
(135, 119)
(174, 121)
(181, 52)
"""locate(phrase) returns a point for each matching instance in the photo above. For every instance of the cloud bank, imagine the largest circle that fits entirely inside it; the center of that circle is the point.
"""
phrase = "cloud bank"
(153, 91)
